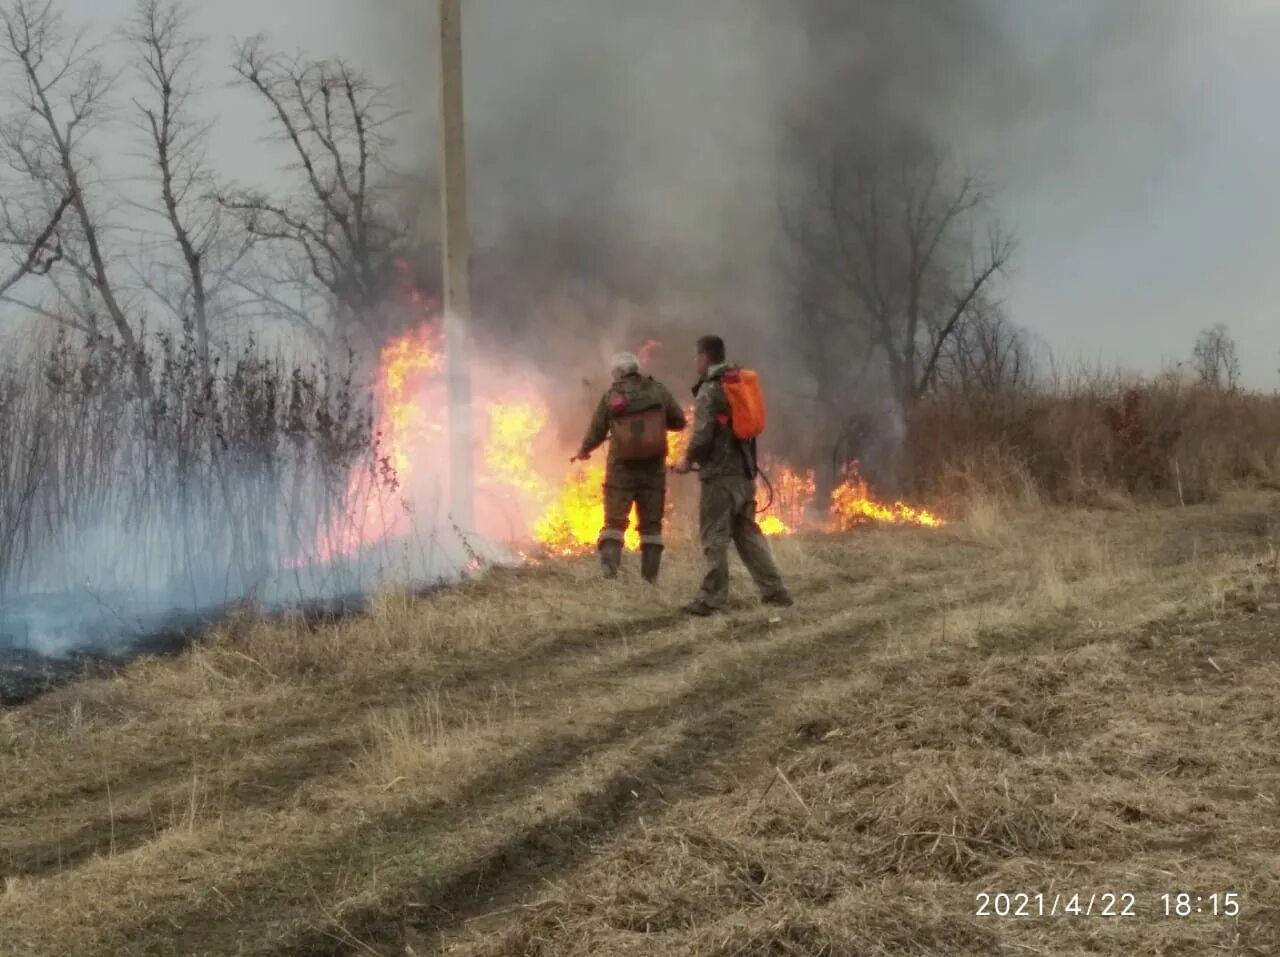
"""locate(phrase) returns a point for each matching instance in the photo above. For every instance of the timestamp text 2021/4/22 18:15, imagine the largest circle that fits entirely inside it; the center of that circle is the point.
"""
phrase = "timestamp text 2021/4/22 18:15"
(1106, 904)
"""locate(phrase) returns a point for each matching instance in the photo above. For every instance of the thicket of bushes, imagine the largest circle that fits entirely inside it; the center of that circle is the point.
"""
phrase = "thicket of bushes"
(196, 481)
(1090, 438)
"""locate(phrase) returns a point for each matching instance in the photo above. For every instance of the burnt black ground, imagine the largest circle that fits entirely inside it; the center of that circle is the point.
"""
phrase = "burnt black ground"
(104, 646)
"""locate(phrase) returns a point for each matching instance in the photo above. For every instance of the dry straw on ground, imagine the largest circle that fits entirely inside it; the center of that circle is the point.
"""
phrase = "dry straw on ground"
(1034, 701)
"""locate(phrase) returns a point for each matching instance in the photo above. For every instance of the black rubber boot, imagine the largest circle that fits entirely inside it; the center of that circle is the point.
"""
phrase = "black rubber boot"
(610, 557)
(700, 608)
(650, 562)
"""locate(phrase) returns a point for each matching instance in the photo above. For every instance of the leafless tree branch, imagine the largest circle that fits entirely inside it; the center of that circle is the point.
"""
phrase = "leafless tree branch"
(1215, 359)
(165, 53)
(37, 258)
(331, 117)
(63, 92)
(884, 245)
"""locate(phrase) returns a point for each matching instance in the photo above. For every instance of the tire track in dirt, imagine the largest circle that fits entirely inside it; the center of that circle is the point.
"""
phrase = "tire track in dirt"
(716, 728)
(118, 831)
(305, 758)
(717, 724)
(544, 768)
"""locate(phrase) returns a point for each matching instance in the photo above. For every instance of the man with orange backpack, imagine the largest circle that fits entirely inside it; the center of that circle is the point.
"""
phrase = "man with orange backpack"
(728, 415)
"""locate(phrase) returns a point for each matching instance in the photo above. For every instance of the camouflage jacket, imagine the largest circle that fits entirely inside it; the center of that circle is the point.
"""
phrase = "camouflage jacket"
(641, 392)
(713, 447)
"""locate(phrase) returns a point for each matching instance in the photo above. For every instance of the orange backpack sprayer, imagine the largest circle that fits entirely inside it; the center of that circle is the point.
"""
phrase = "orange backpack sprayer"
(746, 402)
(747, 415)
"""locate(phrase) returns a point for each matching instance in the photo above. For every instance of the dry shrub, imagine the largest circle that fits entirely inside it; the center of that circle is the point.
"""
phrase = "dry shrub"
(1095, 440)
(215, 474)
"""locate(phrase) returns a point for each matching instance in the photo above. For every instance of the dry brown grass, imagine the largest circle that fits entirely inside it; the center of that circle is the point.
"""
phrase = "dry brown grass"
(1096, 439)
(1028, 700)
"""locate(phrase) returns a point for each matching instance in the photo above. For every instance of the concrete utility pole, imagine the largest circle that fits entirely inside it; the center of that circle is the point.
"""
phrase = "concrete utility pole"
(456, 251)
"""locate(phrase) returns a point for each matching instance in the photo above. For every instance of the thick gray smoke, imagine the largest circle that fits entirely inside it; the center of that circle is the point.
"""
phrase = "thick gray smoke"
(668, 124)
(631, 157)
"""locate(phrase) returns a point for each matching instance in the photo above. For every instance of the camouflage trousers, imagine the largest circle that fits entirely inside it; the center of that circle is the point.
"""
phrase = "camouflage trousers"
(650, 502)
(727, 515)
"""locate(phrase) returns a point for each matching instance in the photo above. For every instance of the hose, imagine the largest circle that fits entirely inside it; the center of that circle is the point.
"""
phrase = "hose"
(760, 473)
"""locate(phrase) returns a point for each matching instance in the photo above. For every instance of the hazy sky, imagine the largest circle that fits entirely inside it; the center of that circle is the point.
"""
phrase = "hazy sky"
(1189, 236)
(1145, 197)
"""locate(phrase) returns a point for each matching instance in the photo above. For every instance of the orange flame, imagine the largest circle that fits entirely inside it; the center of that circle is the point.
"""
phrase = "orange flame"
(677, 442)
(571, 523)
(852, 504)
(405, 422)
(646, 351)
(406, 362)
(530, 498)
(512, 431)
(792, 494)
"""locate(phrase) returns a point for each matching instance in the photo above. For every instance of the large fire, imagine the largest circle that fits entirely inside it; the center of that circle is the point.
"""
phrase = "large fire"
(528, 494)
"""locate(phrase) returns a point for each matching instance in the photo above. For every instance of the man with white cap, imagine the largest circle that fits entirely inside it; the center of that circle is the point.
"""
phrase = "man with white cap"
(635, 415)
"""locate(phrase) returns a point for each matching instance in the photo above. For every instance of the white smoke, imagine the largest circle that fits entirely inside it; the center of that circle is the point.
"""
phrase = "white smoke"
(105, 584)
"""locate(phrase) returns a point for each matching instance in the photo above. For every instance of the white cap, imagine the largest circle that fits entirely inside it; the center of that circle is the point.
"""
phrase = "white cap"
(623, 363)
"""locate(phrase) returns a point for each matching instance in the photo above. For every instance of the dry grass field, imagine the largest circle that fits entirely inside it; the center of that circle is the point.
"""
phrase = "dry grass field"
(1052, 702)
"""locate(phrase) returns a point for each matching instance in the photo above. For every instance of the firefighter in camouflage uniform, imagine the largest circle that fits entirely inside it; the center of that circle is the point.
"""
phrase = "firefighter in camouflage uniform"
(635, 415)
(727, 504)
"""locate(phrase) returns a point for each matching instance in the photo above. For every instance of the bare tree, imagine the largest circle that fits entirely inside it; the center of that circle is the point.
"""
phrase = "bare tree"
(837, 352)
(890, 255)
(165, 59)
(30, 236)
(1215, 360)
(63, 92)
(986, 355)
(331, 118)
